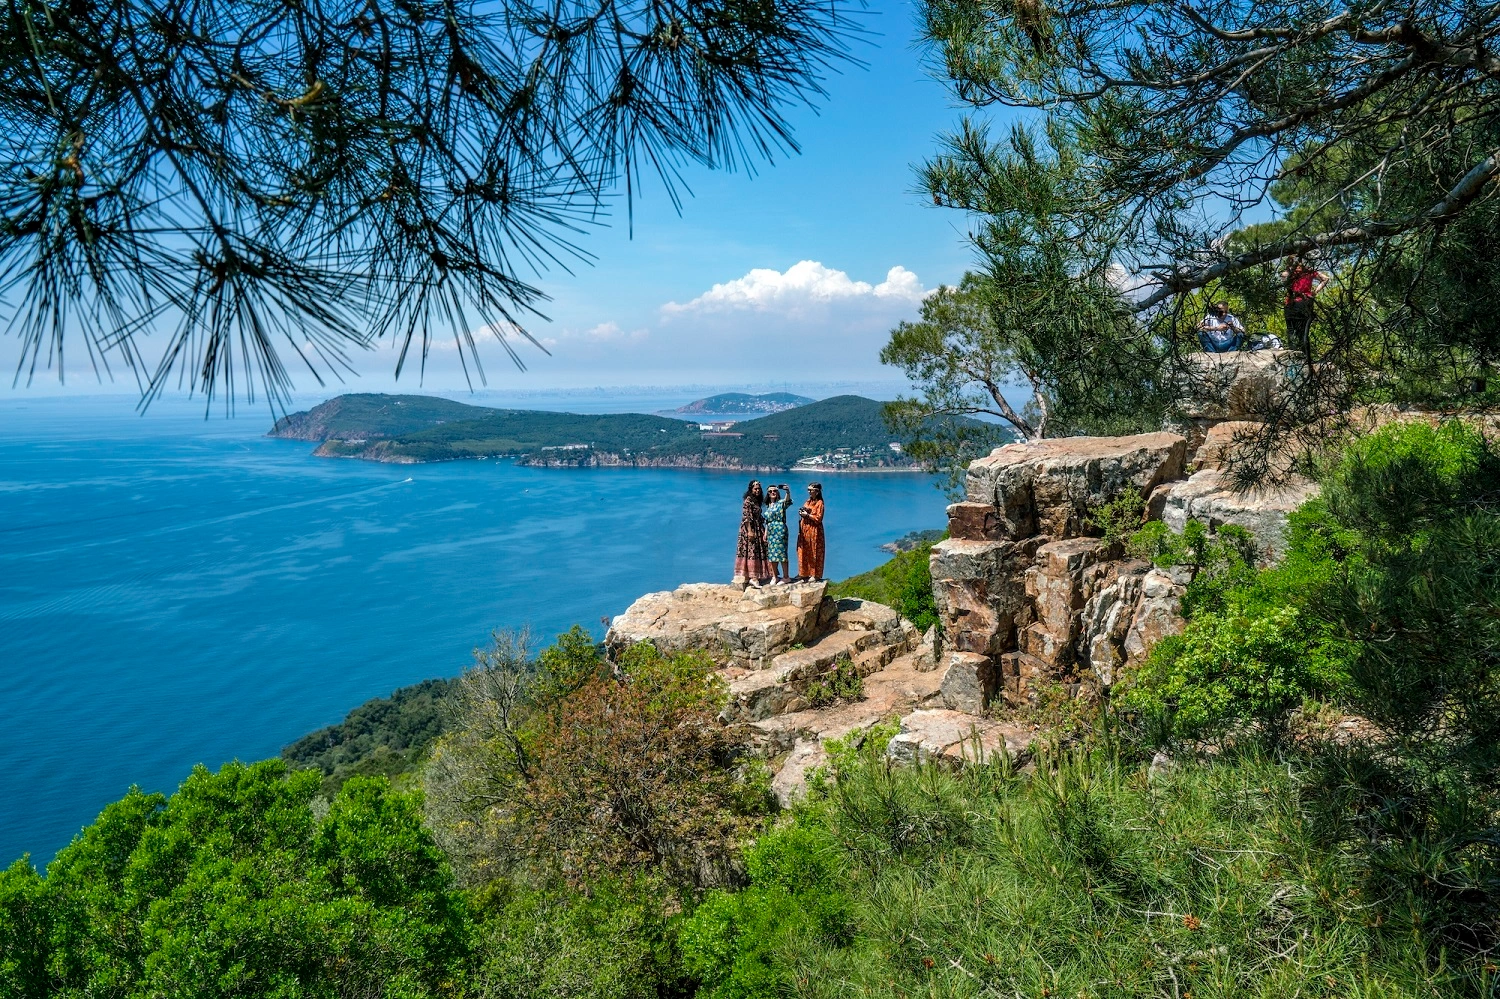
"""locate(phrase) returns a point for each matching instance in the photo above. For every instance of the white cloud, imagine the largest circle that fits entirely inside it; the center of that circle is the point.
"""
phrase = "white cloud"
(766, 325)
(805, 284)
(1130, 284)
(605, 332)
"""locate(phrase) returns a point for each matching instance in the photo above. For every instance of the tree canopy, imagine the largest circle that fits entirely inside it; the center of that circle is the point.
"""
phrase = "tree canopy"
(1382, 113)
(1183, 150)
(287, 182)
(239, 884)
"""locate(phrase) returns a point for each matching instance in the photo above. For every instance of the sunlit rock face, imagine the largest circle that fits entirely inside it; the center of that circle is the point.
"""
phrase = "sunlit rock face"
(1022, 582)
(1031, 600)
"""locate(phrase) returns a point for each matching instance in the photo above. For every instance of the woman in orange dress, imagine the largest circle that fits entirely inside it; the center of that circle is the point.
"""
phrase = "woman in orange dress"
(810, 541)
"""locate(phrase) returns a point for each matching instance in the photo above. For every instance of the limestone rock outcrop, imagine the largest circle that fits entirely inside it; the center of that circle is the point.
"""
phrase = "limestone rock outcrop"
(1049, 486)
(943, 735)
(1030, 600)
(1211, 495)
(776, 645)
(744, 627)
(1240, 385)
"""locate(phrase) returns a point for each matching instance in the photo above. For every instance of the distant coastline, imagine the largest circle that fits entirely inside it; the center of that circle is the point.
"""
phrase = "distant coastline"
(837, 435)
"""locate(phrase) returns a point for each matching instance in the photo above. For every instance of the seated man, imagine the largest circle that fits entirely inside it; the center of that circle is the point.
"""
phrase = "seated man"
(1220, 331)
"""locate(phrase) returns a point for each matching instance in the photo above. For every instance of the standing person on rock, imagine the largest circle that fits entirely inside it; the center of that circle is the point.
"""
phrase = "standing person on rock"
(1303, 282)
(778, 498)
(752, 563)
(810, 540)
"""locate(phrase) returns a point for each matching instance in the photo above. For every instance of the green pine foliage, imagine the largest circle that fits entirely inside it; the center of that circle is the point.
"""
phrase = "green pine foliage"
(614, 941)
(1090, 877)
(237, 885)
(733, 942)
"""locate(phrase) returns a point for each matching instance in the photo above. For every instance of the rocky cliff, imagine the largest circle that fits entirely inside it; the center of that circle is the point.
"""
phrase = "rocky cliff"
(1025, 588)
(1031, 600)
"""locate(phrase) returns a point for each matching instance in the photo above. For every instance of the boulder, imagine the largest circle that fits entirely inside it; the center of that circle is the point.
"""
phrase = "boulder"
(975, 522)
(969, 682)
(1211, 496)
(867, 615)
(1242, 385)
(760, 694)
(1158, 613)
(1049, 486)
(979, 587)
(1225, 442)
(929, 650)
(1103, 623)
(744, 627)
(956, 737)
(1058, 585)
(789, 783)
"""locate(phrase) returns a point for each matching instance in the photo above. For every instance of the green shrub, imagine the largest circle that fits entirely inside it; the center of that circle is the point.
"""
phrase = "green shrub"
(904, 584)
(1120, 518)
(732, 943)
(612, 942)
(1215, 561)
(1236, 665)
(842, 683)
(236, 886)
(1252, 649)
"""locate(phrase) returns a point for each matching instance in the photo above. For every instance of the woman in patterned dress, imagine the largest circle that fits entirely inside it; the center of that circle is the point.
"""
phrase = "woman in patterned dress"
(778, 498)
(810, 540)
(751, 563)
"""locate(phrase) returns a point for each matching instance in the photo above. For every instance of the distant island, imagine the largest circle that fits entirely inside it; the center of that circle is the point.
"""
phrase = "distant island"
(741, 403)
(844, 433)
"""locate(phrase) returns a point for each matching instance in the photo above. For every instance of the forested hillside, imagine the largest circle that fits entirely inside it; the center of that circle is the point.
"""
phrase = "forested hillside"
(846, 432)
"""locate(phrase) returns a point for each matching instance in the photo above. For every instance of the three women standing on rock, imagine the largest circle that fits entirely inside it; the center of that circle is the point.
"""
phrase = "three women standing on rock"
(761, 553)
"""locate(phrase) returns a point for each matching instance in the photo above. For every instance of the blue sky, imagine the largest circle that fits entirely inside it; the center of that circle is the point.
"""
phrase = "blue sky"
(791, 276)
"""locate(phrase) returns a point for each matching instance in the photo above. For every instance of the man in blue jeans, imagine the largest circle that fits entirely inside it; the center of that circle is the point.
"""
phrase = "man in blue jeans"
(1220, 332)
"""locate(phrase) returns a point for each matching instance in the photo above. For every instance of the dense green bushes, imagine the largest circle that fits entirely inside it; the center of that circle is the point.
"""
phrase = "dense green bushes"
(1253, 649)
(238, 886)
(575, 767)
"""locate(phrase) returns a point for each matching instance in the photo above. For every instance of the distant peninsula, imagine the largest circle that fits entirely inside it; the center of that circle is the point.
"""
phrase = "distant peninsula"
(744, 404)
(844, 433)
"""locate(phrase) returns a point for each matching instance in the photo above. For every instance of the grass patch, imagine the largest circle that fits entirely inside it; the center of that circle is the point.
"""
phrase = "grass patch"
(1093, 878)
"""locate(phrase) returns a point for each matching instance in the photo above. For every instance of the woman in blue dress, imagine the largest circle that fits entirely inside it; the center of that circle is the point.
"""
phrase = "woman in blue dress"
(778, 498)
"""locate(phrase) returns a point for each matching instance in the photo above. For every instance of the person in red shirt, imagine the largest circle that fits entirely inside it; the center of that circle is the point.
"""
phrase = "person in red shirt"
(1303, 282)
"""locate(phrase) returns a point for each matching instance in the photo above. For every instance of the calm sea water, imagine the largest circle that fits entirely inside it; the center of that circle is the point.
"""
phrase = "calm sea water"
(175, 592)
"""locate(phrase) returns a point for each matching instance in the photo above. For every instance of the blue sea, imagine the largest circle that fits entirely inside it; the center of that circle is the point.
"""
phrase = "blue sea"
(177, 591)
